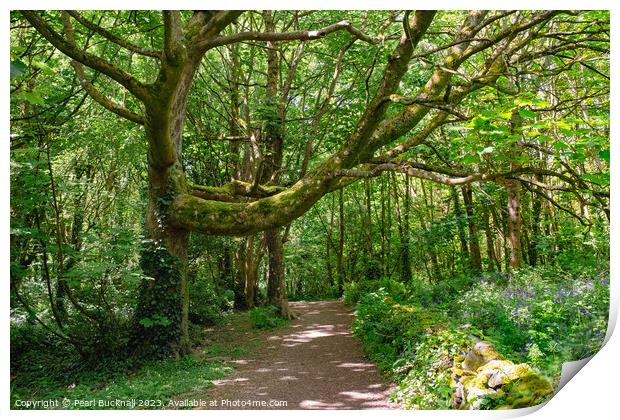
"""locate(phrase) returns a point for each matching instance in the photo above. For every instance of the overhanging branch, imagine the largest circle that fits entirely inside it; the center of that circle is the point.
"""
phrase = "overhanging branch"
(96, 63)
(93, 92)
(287, 36)
(113, 38)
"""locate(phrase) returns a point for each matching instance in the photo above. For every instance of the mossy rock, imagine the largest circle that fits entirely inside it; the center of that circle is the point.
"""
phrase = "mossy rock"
(481, 354)
(527, 390)
(483, 379)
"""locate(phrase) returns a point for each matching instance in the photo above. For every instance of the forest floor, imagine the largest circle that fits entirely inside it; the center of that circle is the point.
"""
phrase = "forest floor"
(314, 362)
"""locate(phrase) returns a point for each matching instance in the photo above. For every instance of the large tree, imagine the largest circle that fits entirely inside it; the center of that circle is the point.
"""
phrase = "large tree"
(466, 52)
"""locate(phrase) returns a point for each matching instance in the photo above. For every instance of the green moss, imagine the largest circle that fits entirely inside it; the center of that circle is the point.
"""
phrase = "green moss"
(225, 189)
(527, 390)
(498, 383)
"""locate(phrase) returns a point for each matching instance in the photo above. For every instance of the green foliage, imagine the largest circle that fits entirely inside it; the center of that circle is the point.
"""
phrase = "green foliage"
(386, 327)
(211, 294)
(18, 68)
(82, 284)
(267, 317)
(208, 302)
(155, 383)
(424, 374)
(158, 314)
(542, 316)
(354, 291)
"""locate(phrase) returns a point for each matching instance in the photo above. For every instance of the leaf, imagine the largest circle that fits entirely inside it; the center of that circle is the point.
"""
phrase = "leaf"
(604, 154)
(31, 97)
(488, 114)
(469, 159)
(544, 138)
(18, 68)
(479, 122)
(600, 178)
(43, 67)
(146, 322)
(526, 113)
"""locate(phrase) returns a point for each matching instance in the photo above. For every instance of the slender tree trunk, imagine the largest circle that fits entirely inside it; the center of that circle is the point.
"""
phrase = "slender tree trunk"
(340, 253)
(384, 270)
(403, 230)
(432, 249)
(247, 261)
(406, 251)
(536, 213)
(241, 272)
(474, 245)
(459, 223)
(388, 233)
(490, 242)
(368, 221)
(513, 189)
(514, 223)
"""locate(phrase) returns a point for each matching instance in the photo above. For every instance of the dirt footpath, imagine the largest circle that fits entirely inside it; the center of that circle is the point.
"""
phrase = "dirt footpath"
(314, 363)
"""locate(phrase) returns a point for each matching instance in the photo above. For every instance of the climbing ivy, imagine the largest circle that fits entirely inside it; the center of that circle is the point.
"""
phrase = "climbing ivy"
(158, 315)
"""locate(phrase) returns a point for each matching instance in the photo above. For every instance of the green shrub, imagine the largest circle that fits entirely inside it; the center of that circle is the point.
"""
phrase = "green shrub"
(354, 291)
(385, 326)
(424, 373)
(208, 302)
(266, 317)
(543, 316)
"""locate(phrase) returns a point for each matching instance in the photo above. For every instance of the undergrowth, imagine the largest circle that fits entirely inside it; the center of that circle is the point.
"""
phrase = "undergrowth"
(539, 316)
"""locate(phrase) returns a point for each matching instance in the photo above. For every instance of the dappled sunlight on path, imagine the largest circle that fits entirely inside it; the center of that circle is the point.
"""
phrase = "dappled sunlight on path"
(314, 363)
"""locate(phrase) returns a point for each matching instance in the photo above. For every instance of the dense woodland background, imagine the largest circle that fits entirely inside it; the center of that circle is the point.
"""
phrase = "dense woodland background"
(438, 169)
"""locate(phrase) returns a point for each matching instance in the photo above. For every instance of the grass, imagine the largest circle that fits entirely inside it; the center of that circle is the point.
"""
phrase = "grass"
(51, 373)
(265, 318)
(152, 386)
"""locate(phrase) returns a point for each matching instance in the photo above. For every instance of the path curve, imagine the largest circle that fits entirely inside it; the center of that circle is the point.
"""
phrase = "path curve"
(314, 363)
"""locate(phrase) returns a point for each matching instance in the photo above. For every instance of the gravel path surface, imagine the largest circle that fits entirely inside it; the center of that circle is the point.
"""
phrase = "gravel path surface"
(314, 363)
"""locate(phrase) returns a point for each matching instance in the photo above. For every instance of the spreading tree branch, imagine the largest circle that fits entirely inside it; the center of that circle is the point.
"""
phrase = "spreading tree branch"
(114, 38)
(208, 43)
(99, 64)
(100, 98)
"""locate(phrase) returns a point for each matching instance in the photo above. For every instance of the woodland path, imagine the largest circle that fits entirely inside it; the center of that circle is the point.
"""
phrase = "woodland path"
(313, 363)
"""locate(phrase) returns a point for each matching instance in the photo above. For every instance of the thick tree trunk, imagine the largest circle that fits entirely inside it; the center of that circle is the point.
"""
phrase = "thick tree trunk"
(161, 316)
(274, 112)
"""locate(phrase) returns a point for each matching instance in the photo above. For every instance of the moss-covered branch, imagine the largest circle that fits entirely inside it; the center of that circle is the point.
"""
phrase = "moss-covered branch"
(235, 191)
(236, 218)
